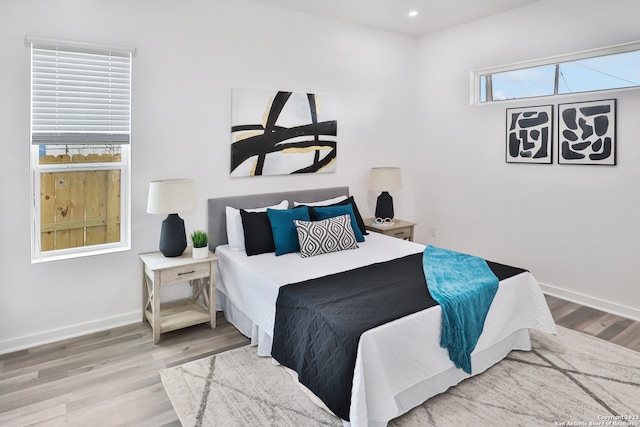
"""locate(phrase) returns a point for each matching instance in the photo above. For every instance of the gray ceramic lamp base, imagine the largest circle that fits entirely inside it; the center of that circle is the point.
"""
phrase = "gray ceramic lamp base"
(173, 238)
(384, 206)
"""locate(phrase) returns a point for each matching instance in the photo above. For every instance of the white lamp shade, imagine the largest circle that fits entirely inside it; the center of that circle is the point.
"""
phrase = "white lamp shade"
(171, 196)
(385, 179)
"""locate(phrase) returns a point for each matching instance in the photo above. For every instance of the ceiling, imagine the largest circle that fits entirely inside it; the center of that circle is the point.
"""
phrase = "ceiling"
(393, 15)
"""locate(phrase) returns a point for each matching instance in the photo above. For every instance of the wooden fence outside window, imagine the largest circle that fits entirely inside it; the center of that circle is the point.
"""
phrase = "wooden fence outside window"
(79, 208)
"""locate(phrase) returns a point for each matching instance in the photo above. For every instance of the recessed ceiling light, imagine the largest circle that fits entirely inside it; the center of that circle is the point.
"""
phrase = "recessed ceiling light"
(413, 13)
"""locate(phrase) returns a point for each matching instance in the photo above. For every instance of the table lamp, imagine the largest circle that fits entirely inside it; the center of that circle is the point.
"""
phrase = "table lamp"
(385, 179)
(169, 197)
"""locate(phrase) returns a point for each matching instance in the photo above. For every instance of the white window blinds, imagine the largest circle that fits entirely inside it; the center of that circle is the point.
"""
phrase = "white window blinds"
(80, 94)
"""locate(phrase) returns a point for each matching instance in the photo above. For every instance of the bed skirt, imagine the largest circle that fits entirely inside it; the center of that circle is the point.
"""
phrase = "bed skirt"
(237, 318)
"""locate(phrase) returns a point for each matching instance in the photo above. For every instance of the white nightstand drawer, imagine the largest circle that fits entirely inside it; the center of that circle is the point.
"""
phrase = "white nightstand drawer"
(401, 233)
(399, 229)
(185, 273)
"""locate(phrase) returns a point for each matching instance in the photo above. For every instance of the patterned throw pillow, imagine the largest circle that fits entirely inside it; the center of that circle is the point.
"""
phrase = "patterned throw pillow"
(329, 235)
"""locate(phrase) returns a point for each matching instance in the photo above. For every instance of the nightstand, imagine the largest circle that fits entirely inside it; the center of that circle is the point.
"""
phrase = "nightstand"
(159, 271)
(400, 229)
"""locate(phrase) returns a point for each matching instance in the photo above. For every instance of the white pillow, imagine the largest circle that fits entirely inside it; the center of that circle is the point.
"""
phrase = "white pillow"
(235, 232)
(322, 202)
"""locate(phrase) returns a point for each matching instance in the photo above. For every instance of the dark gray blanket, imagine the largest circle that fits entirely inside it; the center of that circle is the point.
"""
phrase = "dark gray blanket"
(319, 321)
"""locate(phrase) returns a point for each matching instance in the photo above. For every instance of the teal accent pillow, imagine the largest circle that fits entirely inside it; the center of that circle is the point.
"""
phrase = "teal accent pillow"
(284, 231)
(326, 212)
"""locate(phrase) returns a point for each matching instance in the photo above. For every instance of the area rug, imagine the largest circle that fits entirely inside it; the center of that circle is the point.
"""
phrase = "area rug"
(568, 379)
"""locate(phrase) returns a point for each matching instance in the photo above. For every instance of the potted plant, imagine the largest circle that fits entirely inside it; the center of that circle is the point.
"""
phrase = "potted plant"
(200, 241)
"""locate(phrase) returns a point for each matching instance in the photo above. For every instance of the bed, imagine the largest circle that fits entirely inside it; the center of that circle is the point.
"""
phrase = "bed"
(399, 364)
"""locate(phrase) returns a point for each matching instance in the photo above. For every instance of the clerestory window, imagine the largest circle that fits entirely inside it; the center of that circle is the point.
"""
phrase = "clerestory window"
(609, 68)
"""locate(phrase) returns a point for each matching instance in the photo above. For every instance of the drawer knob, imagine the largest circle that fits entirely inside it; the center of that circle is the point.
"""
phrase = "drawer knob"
(186, 272)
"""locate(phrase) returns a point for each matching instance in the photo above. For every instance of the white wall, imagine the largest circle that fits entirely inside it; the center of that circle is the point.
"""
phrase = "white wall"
(402, 101)
(190, 54)
(575, 227)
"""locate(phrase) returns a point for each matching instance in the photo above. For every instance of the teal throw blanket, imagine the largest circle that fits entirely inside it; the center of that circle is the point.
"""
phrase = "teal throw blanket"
(464, 286)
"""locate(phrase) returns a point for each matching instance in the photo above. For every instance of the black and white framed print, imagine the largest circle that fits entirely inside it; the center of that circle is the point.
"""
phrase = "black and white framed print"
(529, 133)
(280, 132)
(587, 133)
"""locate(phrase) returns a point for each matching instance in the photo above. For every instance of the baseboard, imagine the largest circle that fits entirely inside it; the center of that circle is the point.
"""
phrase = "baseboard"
(48, 337)
(586, 300)
(28, 341)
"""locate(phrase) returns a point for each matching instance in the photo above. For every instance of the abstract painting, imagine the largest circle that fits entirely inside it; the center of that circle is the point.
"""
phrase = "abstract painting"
(587, 133)
(529, 133)
(278, 132)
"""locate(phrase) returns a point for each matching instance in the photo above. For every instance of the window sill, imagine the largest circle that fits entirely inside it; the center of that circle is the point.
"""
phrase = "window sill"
(75, 253)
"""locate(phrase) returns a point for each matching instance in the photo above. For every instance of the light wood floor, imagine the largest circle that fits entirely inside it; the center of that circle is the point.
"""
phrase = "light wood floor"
(111, 378)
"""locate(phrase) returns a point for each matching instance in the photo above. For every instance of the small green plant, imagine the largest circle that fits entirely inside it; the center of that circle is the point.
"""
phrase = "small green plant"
(200, 239)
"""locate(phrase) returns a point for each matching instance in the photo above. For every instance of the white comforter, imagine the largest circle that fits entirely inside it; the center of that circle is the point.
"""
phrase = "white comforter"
(399, 364)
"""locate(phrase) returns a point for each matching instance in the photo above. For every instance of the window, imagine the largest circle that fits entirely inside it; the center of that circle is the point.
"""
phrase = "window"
(80, 140)
(608, 68)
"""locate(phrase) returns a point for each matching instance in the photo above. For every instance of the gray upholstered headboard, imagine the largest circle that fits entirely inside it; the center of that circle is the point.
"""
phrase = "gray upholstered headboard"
(217, 221)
